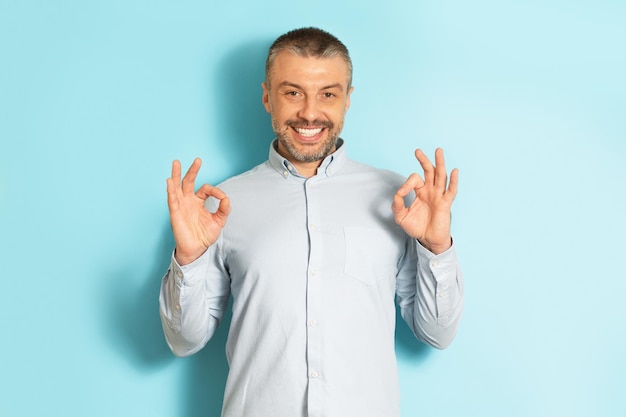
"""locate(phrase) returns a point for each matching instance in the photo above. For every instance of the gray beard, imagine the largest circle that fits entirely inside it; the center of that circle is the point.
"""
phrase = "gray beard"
(326, 149)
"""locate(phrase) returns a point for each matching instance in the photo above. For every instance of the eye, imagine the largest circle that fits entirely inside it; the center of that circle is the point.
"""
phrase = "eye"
(329, 95)
(292, 93)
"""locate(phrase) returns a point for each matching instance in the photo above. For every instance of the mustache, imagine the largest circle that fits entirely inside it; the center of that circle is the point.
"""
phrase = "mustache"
(302, 123)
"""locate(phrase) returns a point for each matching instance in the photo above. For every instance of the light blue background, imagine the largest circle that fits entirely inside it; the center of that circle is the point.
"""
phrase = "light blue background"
(527, 98)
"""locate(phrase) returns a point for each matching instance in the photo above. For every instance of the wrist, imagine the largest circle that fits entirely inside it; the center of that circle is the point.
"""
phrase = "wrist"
(185, 258)
(436, 248)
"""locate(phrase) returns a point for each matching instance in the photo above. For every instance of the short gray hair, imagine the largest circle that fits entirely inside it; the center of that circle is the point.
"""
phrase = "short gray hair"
(308, 42)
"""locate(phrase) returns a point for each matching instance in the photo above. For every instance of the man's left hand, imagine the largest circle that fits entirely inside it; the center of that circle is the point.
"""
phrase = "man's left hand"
(427, 219)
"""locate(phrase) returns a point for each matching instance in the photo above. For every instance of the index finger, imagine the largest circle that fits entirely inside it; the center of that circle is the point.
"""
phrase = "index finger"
(413, 183)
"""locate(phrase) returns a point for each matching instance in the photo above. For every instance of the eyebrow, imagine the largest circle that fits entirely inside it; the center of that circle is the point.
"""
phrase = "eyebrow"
(294, 85)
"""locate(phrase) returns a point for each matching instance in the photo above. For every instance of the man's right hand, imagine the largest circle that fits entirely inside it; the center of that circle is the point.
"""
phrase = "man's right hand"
(194, 227)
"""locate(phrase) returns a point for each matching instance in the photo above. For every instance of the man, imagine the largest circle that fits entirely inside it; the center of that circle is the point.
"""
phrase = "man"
(314, 251)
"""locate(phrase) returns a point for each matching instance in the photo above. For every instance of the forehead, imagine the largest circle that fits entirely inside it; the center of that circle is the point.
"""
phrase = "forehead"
(291, 68)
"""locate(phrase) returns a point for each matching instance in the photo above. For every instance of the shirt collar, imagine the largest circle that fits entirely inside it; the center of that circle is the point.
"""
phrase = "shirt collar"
(329, 166)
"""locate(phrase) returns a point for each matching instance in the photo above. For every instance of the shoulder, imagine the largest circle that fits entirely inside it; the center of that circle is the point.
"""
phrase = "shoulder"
(248, 179)
(244, 186)
(371, 173)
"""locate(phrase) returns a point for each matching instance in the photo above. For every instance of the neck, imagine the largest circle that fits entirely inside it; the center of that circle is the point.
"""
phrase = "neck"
(306, 169)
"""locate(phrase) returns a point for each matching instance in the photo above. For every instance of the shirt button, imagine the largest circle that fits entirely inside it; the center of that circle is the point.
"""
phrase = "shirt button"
(285, 173)
(313, 323)
(435, 264)
(314, 374)
(441, 294)
(177, 306)
(313, 272)
(179, 274)
(313, 227)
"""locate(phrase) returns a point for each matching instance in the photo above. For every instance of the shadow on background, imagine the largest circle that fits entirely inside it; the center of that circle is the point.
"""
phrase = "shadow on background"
(407, 345)
(245, 128)
(204, 379)
(134, 325)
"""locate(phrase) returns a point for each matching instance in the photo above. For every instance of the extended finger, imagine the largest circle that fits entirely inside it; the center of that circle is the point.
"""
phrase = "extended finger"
(173, 184)
(453, 186)
(190, 176)
(172, 198)
(427, 166)
(176, 171)
(441, 176)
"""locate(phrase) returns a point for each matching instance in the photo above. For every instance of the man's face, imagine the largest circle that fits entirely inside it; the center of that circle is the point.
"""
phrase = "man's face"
(307, 99)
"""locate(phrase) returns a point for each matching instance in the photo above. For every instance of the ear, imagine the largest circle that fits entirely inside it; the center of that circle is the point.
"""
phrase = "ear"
(348, 99)
(266, 98)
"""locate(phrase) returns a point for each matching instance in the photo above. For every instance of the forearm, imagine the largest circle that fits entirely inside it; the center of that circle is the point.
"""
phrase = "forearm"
(191, 308)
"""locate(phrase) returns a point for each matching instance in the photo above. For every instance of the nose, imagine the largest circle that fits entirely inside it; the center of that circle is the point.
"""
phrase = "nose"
(310, 109)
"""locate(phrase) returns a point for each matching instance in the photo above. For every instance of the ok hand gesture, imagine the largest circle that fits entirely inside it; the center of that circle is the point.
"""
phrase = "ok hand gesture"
(427, 219)
(194, 227)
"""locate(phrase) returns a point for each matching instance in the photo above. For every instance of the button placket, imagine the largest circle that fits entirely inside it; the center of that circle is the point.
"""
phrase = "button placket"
(313, 304)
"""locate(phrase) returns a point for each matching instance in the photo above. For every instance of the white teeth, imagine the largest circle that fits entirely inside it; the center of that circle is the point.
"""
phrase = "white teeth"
(308, 132)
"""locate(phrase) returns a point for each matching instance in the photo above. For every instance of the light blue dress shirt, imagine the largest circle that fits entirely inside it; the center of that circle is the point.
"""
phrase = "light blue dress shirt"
(314, 266)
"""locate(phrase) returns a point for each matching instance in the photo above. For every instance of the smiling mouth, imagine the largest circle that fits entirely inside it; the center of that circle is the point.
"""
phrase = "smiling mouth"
(308, 132)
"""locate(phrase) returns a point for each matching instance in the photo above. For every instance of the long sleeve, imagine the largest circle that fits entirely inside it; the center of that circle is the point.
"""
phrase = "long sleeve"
(430, 294)
(192, 302)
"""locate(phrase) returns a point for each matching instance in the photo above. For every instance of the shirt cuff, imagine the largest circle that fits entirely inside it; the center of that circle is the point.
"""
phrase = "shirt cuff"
(188, 274)
(448, 256)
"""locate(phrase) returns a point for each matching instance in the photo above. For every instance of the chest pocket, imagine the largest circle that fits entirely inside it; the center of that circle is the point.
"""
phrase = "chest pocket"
(371, 254)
